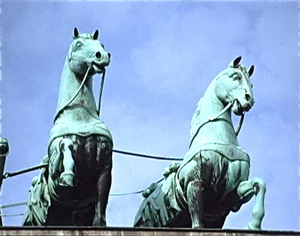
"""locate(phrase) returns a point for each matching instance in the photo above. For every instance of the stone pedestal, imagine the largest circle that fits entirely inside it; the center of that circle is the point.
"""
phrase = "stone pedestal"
(92, 231)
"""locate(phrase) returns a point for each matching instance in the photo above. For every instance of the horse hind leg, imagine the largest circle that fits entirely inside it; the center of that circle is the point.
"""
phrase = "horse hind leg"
(67, 177)
(195, 202)
(103, 188)
(246, 190)
(104, 158)
(190, 184)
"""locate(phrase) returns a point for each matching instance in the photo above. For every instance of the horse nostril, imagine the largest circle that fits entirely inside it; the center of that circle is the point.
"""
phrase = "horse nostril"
(109, 55)
(98, 55)
(248, 97)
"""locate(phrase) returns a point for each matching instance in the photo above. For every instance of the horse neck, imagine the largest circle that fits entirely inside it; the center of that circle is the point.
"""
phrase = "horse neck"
(69, 85)
(220, 130)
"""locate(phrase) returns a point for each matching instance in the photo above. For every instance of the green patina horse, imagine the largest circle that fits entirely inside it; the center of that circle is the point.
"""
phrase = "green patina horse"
(74, 188)
(212, 180)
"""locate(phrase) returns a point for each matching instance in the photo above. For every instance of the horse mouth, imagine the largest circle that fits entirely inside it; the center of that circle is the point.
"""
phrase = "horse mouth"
(98, 67)
(240, 109)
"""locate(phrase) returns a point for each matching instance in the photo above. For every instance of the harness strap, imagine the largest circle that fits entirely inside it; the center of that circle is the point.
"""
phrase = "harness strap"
(240, 124)
(100, 93)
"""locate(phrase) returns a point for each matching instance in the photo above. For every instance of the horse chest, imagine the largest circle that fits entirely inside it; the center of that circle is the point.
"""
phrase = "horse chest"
(222, 174)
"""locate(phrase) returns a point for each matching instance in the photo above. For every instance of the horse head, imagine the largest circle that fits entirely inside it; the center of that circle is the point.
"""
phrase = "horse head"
(86, 51)
(234, 86)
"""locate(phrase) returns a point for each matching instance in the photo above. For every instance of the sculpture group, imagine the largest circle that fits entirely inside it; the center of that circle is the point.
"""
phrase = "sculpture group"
(210, 182)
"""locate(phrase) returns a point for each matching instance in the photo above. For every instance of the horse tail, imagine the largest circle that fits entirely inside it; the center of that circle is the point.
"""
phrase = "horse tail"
(39, 200)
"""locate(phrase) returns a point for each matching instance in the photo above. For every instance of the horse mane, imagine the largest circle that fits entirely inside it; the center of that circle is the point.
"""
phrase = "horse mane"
(195, 119)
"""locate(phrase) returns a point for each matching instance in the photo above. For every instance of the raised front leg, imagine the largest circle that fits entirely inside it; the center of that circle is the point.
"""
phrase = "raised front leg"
(195, 203)
(67, 177)
(246, 190)
(258, 211)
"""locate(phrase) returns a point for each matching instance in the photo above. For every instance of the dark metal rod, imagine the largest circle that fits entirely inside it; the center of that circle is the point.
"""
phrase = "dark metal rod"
(11, 174)
(148, 156)
(13, 205)
(11, 215)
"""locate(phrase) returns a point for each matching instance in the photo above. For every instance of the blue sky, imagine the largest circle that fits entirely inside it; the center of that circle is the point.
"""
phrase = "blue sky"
(164, 55)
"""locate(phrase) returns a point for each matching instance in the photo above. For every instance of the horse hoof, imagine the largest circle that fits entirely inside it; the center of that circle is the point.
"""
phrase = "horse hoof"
(67, 179)
(251, 226)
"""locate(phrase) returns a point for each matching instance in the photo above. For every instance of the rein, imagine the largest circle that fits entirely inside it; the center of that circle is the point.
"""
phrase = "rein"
(79, 89)
(229, 105)
(100, 93)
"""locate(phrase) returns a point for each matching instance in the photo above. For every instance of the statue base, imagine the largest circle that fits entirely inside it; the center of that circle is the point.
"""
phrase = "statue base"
(109, 231)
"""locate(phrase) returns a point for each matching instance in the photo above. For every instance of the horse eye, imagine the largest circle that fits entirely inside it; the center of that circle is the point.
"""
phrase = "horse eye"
(78, 45)
(236, 76)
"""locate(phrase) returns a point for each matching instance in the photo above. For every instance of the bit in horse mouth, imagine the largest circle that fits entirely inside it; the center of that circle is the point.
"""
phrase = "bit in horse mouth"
(245, 108)
(239, 106)
(99, 66)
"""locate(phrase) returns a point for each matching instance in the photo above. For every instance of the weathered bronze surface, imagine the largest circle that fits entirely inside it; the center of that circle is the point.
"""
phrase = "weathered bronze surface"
(74, 189)
(212, 180)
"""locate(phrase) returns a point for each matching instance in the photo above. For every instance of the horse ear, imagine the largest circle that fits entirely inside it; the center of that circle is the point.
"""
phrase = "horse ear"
(75, 33)
(235, 62)
(251, 70)
(95, 35)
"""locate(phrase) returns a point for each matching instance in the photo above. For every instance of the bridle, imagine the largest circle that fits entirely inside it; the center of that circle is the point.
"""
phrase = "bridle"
(60, 111)
(229, 105)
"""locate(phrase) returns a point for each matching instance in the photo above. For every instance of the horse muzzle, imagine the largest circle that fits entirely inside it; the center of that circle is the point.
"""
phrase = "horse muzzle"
(99, 67)
(240, 107)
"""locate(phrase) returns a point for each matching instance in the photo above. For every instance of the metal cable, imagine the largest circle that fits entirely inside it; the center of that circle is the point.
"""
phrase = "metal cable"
(148, 156)
(11, 215)
(11, 174)
(13, 205)
(112, 195)
(124, 194)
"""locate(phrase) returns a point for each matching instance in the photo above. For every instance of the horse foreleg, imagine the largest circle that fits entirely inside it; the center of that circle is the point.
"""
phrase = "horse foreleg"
(67, 177)
(258, 211)
(246, 190)
(195, 203)
(103, 188)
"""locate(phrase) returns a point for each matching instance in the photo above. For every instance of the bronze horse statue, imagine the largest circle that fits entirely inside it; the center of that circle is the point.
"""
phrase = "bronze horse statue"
(212, 179)
(74, 187)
